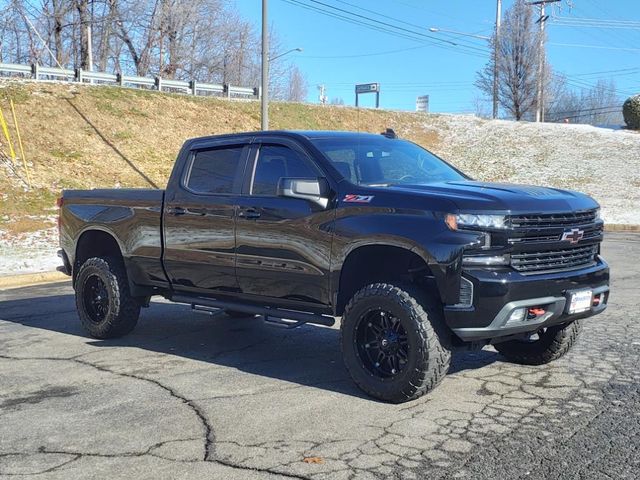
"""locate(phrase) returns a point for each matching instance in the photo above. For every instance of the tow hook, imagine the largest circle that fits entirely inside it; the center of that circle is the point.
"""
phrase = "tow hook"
(535, 312)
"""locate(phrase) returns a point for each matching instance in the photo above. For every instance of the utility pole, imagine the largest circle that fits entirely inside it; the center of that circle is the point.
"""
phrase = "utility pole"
(496, 57)
(264, 117)
(323, 96)
(541, 57)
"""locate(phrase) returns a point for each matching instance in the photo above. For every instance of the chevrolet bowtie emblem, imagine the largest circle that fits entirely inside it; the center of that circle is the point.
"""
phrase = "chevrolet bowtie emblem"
(573, 236)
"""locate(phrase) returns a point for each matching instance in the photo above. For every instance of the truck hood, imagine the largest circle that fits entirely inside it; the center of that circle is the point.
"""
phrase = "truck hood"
(474, 196)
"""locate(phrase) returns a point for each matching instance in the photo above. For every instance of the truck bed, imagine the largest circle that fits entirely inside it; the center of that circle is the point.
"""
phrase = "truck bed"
(132, 216)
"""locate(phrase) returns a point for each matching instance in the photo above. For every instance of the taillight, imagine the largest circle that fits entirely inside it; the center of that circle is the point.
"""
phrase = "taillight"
(59, 202)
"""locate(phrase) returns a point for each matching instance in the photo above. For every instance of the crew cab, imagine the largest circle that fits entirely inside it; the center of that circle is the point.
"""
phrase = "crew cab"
(414, 256)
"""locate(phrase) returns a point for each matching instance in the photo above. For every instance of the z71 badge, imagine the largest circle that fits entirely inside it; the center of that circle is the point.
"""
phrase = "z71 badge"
(351, 198)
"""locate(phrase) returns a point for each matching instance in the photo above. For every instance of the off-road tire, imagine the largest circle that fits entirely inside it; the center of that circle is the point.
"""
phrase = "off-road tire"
(429, 352)
(552, 344)
(122, 309)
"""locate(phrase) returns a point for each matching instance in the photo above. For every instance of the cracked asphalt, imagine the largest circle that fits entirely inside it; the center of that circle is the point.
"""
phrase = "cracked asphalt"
(188, 395)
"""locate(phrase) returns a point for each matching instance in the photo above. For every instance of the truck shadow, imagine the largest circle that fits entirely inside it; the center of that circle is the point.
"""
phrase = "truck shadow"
(307, 356)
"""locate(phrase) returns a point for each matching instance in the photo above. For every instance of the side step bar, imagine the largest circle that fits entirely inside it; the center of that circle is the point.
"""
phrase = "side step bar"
(272, 315)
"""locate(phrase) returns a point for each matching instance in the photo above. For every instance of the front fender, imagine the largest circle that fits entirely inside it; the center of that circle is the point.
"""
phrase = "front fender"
(423, 233)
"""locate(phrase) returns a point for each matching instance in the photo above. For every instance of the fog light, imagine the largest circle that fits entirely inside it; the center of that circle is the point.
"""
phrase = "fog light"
(517, 315)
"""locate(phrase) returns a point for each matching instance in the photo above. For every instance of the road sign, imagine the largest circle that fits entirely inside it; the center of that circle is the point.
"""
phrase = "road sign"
(368, 88)
(422, 103)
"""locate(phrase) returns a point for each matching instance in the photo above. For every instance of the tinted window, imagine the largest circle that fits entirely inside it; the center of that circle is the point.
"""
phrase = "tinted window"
(275, 162)
(214, 171)
(382, 161)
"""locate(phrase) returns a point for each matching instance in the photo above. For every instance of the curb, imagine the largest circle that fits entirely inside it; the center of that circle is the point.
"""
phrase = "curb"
(27, 279)
(617, 227)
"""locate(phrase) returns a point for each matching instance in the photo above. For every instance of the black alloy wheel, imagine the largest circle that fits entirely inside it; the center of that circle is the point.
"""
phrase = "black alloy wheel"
(96, 298)
(382, 344)
(105, 306)
(394, 341)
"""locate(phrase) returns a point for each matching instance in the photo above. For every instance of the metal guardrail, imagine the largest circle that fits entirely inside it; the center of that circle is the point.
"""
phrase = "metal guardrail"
(193, 87)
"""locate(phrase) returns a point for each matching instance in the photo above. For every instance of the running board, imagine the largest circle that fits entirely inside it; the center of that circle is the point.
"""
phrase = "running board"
(282, 317)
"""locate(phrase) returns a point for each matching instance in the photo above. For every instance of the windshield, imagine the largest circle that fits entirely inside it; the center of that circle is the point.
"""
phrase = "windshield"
(384, 161)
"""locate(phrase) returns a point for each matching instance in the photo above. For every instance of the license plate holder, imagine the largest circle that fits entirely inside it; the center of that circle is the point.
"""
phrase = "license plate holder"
(579, 301)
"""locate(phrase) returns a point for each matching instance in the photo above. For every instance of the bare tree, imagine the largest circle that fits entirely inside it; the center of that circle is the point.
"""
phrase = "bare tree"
(298, 86)
(84, 20)
(597, 105)
(205, 40)
(517, 60)
(481, 107)
(337, 101)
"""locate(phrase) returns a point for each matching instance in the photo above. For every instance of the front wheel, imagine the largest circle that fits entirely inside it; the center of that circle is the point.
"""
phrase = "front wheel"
(394, 342)
(544, 346)
(105, 306)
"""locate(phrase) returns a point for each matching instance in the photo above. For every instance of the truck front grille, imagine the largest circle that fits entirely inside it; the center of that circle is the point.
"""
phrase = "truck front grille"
(554, 260)
(546, 235)
(549, 228)
(563, 220)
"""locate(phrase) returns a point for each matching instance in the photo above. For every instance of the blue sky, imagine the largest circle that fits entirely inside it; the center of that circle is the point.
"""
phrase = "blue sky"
(340, 54)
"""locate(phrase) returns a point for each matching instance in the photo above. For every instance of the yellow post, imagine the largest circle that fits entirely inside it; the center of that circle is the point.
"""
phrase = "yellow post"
(6, 135)
(24, 160)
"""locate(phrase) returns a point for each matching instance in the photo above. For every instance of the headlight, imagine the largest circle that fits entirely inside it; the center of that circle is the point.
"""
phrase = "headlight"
(470, 220)
(597, 214)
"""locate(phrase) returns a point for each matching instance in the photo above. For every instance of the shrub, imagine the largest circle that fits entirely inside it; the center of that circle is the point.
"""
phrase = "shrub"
(631, 112)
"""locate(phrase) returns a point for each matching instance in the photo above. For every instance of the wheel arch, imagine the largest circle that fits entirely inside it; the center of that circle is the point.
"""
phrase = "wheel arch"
(368, 263)
(95, 242)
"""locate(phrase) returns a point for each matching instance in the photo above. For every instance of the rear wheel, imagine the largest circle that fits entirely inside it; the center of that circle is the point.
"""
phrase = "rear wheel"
(394, 342)
(104, 304)
(544, 346)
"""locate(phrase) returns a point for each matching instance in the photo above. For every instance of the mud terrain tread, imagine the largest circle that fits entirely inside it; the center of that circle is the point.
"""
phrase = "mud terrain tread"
(559, 342)
(425, 314)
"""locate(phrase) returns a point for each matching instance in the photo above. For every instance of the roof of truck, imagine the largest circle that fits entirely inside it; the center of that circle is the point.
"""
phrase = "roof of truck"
(308, 134)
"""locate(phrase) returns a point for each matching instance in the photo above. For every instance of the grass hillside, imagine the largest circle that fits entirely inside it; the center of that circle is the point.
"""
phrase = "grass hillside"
(86, 137)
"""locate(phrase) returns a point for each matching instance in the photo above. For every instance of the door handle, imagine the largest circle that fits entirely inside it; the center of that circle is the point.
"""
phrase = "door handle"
(249, 213)
(176, 211)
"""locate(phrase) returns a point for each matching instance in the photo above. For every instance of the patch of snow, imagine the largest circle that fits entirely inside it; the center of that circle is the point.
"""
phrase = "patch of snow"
(29, 252)
(600, 162)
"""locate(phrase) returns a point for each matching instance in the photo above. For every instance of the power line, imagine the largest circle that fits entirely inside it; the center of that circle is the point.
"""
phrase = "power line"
(599, 22)
(606, 35)
(348, 20)
(386, 27)
(587, 110)
(583, 84)
(629, 71)
(563, 117)
(404, 22)
(372, 54)
(593, 46)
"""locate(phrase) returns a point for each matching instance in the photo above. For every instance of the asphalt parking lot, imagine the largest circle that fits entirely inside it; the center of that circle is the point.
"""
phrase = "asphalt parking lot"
(195, 396)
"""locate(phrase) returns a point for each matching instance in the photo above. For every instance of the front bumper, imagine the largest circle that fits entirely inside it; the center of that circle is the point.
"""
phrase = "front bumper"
(497, 293)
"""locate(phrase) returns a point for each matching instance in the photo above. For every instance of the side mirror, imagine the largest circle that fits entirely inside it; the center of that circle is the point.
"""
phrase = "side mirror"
(315, 190)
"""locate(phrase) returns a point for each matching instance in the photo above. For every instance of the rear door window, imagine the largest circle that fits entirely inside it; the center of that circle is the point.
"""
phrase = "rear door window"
(214, 171)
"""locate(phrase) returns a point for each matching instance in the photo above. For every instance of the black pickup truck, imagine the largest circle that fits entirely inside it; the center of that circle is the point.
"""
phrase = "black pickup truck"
(302, 227)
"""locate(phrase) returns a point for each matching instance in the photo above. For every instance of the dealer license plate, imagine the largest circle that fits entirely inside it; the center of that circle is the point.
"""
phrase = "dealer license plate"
(580, 301)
